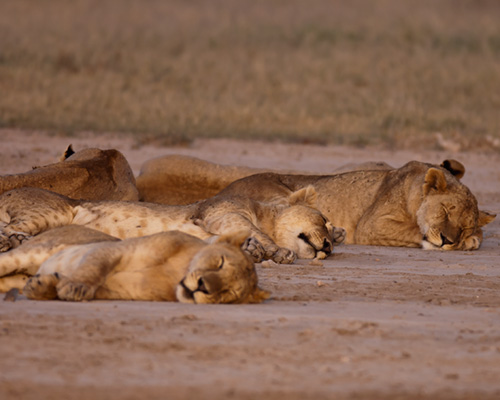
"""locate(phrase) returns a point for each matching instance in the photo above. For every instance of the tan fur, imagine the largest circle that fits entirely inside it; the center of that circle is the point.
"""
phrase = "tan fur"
(17, 265)
(167, 266)
(90, 174)
(177, 179)
(417, 205)
(282, 231)
(380, 205)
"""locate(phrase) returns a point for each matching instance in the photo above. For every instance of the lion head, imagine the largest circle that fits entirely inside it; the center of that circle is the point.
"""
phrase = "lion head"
(449, 218)
(221, 273)
(305, 230)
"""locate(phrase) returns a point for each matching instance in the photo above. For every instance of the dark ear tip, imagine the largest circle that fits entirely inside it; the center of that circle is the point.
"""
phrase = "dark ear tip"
(455, 167)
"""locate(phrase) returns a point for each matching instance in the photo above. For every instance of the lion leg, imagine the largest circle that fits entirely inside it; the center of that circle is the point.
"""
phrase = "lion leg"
(25, 259)
(10, 239)
(16, 281)
(231, 221)
(85, 269)
(387, 230)
(284, 256)
(254, 249)
(272, 251)
(26, 212)
(473, 242)
(73, 290)
(42, 287)
(338, 236)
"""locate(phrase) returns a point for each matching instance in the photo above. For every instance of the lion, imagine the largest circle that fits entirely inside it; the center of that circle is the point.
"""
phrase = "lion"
(17, 265)
(417, 205)
(166, 266)
(281, 231)
(177, 179)
(90, 174)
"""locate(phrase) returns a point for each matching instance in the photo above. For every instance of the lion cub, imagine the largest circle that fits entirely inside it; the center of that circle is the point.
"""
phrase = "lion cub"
(166, 266)
(279, 231)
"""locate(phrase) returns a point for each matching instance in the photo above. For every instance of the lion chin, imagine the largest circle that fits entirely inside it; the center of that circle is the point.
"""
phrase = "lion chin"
(468, 244)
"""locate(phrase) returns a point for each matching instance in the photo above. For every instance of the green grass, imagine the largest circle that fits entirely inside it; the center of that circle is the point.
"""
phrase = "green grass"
(360, 72)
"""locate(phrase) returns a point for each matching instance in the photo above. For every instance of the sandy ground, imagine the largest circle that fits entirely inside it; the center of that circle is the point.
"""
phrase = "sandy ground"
(371, 322)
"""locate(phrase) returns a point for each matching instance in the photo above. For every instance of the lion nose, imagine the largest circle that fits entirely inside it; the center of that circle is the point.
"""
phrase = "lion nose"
(201, 286)
(327, 246)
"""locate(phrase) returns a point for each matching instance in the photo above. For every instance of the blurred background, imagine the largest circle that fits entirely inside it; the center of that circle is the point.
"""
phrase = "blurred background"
(397, 73)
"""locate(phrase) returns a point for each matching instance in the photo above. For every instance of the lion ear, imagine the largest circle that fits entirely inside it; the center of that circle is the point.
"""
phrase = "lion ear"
(485, 218)
(434, 180)
(67, 153)
(306, 195)
(456, 168)
(234, 238)
(258, 296)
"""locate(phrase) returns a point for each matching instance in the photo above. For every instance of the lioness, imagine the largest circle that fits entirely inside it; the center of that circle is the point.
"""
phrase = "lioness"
(178, 179)
(90, 174)
(283, 231)
(417, 205)
(166, 266)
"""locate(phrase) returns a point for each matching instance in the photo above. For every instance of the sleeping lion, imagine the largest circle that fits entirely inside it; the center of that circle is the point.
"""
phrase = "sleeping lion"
(166, 266)
(417, 205)
(90, 174)
(280, 231)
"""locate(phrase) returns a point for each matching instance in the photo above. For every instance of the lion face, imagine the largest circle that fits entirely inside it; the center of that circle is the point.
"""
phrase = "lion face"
(449, 218)
(221, 273)
(307, 232)
(446, 224)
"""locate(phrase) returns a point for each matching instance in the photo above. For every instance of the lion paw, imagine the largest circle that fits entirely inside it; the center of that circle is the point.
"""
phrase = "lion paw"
(338, 236)
(41, 287)
(12, 240)
(254, 249)
(4, 243)
(471, 243)
(74, 291)
(284, 256)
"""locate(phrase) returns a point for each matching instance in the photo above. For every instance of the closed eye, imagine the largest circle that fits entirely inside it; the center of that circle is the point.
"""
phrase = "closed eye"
(446, 212)
(448, 209)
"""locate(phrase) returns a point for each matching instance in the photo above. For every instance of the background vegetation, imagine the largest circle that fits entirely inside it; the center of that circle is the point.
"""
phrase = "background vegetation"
(396, 72)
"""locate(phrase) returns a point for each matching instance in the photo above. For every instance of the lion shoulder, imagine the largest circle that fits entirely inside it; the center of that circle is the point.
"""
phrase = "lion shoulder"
(90, 174)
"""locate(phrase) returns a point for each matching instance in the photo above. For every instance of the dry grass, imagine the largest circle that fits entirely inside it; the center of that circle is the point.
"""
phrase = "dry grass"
(363, 71)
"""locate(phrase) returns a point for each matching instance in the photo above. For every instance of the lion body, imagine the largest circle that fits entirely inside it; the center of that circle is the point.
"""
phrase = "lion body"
(375, 203)
(27, 212)
(166, 266)
(22, 262)
(178, 179)
(417, 205)
(90, 174)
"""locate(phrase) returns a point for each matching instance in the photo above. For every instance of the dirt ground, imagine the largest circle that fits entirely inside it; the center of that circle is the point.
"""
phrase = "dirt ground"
(370, 323)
